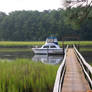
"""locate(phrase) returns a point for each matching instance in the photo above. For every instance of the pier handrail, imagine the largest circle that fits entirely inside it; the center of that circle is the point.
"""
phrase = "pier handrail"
(87, 69)
(60, 74)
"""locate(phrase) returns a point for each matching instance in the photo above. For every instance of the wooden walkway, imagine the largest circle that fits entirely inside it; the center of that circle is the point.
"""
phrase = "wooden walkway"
(74, 80)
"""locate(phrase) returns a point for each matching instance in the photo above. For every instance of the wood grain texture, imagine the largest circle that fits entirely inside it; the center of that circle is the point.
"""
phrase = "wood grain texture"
(89, 91)
(74, 80)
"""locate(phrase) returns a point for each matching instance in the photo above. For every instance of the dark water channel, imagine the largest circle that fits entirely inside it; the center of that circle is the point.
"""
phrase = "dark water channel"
(12, 55)
(86, 52)
(15, 55)
(88, 56)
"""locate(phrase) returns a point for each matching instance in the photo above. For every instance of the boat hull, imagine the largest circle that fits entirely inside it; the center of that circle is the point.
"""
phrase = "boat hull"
(47, 51)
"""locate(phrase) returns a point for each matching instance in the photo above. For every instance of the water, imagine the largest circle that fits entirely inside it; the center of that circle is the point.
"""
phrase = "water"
(55, 59)
(88, 56)
(52, 59)
(16, 55)
(87, 53)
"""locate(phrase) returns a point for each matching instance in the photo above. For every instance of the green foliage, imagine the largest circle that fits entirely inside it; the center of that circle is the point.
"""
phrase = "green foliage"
(78, 16)
(37, 26)
(23, 75)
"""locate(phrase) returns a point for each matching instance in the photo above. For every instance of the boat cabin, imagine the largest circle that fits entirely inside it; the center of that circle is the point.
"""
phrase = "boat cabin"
(52, 40)
(50, 45)
(47, 46)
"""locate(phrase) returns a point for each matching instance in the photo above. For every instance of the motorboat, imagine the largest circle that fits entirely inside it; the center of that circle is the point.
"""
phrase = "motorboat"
(50, 47)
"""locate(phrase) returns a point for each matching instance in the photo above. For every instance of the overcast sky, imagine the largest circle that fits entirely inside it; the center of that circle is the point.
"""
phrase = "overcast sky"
(12, 5)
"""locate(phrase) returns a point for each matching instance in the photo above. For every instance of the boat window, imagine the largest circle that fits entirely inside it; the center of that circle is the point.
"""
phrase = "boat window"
(46, 47)
(53, 46)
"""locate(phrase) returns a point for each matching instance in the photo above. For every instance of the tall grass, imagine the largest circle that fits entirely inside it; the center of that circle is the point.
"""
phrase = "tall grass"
(23, 75)
(82, 43)
(86, 49)
(34, 43)
(20, 43)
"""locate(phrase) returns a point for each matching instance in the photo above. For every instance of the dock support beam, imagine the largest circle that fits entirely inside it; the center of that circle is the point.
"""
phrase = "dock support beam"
(63, 46)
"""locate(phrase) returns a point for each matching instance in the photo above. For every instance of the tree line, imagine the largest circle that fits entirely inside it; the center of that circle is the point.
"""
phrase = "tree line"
(37, 26)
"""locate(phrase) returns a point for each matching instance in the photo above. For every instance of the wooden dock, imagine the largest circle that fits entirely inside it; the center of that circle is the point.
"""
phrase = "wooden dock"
(74, 80)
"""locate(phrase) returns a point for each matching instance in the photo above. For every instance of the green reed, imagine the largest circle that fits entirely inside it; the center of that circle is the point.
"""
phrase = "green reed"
(23, 75)
(34, 43)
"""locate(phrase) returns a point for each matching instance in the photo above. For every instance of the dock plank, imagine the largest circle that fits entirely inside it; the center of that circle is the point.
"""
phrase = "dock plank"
(74, 80)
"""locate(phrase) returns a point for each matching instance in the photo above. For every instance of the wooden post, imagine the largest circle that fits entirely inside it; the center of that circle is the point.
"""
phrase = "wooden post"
(79, 46)
(63, 45)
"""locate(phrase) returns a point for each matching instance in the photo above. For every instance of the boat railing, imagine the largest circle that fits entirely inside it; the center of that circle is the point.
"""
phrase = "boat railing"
(87, 69)
(60, 74)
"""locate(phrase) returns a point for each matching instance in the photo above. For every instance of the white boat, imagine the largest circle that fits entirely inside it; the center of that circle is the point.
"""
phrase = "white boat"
(50, 47)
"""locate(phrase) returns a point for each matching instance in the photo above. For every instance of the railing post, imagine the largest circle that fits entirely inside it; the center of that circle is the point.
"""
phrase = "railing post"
(63, 46)
(78, 47)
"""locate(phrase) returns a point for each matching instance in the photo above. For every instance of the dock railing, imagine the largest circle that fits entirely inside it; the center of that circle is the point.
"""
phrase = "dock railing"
(87, 69)
(60, 74)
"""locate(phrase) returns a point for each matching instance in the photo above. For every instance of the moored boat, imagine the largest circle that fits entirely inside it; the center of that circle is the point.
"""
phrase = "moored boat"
(50, 47)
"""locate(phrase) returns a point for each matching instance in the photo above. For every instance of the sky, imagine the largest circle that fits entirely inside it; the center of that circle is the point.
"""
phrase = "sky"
(12, 5)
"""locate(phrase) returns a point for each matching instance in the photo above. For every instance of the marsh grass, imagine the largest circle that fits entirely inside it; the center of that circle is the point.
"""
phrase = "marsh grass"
(86, 49)
(20, 43)
(23, 75)
(82, 43)
(39, 43)
(15, 49)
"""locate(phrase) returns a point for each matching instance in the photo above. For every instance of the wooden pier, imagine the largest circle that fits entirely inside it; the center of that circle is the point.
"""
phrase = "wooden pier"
(74, 80)
(74, 73)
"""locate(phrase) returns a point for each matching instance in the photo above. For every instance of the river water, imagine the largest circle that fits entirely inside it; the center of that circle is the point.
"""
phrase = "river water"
(87, 53)
(51, 59)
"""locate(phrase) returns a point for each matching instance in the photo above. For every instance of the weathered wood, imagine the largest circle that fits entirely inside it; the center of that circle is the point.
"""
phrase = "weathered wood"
(74, 80)
(60, 75)
(87, 69)
(89, 91)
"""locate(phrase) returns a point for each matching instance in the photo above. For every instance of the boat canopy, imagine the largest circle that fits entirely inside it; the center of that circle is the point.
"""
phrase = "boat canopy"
(52, 40)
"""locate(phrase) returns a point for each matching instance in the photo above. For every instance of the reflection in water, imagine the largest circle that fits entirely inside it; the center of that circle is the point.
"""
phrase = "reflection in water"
(87, 55)
(15, 55)
(54, 59)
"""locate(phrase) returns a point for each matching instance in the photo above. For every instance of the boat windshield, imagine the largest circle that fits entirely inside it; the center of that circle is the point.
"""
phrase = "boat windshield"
(46, 47)
(53, 46)
(52, 40)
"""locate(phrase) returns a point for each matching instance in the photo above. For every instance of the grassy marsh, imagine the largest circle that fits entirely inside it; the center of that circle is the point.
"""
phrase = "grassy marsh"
(15, 49)
(34, 43)
(86, 49)
(23, 75)
(20, 43)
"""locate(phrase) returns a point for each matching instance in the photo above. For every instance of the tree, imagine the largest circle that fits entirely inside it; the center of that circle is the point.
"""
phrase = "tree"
(35, 25)
(78, 11)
